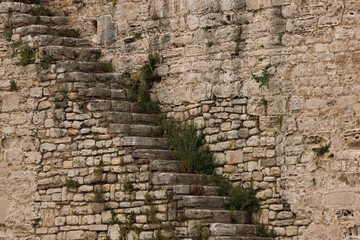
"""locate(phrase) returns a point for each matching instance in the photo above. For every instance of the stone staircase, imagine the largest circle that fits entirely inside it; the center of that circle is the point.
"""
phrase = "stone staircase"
(78, 75)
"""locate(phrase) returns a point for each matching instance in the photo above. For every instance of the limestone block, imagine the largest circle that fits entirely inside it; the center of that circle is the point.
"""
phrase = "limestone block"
(10, 102)
(3, 209)
(257, 4)
(106, 30)
(48, 218)
(234, 157)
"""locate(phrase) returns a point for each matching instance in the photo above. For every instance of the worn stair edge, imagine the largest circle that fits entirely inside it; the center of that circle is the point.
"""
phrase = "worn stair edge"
(152, 154)
(134, 141)
(216, 215)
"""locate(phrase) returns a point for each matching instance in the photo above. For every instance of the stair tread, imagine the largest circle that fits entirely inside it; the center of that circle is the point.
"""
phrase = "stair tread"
(29, 19)
(51, 40)
(152, 154)
(138, 141)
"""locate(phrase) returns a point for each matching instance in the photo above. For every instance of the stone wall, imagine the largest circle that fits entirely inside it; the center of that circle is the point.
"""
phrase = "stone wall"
(209, 50)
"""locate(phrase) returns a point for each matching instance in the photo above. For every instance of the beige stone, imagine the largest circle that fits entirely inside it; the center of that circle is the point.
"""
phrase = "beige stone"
(10, 102)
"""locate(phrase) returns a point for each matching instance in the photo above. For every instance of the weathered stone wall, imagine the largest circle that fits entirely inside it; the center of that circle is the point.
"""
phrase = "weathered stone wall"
(19, 155)
(210, 49)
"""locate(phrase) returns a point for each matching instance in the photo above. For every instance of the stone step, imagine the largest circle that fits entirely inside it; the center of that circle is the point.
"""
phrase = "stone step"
(152, 154)
(105, 78)
(195, 189)
(216, 216)
(81, 66)
(203, 202)
(164, 166)
(111, 105)
(9, 7)
(101, 92)
(29, 19)
(133, 129)
(135, 141)
(61, 53)
(163, 178)
(123, 117)
(51, 40)
(40, 30)
(228, 229)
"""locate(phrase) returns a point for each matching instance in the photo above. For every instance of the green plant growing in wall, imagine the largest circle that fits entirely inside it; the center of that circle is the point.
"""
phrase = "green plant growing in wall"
(128, 187)
(71, 183)
(98, 55)
(155, 16)
(114, 2)
(114, 220)
(264, 79)
(158, 235)
(27, 55)
(151, 214)
(322, 150)
(189, 145)
(42, 11)
(149, 198)
(9, 32)
(209, 44)
(243, 199)
(203, 231)
(29, 1)
(108, 67)
(45, 61)
(13, 86)
(263, 230)
(137, 35)
(237, 48)
(99, 171)
(99, 195)
(233, 217)
(181, 217)
(140, 82)
(280, 120)
(71, 33)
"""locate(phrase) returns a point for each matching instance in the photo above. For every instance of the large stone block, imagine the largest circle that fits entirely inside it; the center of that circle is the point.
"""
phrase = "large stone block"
(10, 102)
(106, 31)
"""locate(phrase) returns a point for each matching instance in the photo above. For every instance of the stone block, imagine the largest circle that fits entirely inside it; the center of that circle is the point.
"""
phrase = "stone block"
(10, 102)
(3, 209)
(106, 30)
(257, 4)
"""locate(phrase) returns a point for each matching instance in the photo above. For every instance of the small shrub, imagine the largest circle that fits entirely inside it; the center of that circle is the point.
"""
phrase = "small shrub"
(45, 61)
(181, 217)
(13, 86)
(114, 220)
(197, 190)
(223, 22)
(99, 171)
(71, 33)
(243, 199)
(246, 22)
(71, 184)
(189, 146)
(149, 198)
(114, 2)
(280, 38)
(280, 119)
(99, 196)
(224, 185)
(108, 67)
(158, 235)
(42, 11)
(97, 55)
(264, 79)
(107, 237)
(209, 44)
(322, 150)
(233, 217)
(151, 214)
(27, 55)
(128, 187)
(57, 105)
(203, 231)
(262, 230)
(239, 34)
(137, 35)
(237, 48)
(155, 16)
(139, 85)
(264, 102)
(9, 32)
